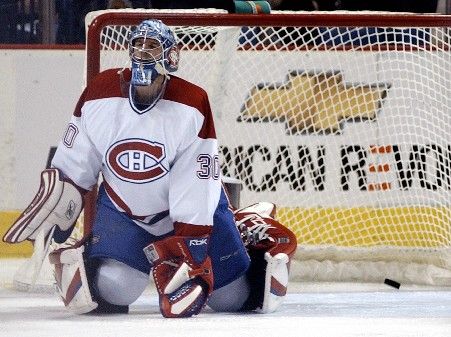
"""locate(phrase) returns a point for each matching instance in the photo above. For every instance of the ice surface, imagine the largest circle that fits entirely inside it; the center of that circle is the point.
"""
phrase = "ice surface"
(310, 310)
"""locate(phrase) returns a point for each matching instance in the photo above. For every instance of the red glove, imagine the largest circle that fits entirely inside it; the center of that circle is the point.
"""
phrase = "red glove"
(183, 274)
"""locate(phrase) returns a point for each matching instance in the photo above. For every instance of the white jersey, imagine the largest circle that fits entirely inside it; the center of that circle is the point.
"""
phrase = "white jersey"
(163, 160)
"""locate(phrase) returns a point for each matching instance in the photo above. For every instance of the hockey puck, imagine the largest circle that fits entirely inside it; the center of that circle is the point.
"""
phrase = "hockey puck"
(392, 283)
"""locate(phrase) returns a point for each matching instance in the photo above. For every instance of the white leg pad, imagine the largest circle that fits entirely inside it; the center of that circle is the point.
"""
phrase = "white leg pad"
(71, 280)
(276, 282)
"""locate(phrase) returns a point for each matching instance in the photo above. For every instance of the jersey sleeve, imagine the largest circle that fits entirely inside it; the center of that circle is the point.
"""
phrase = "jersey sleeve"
(195, 186)
(76, 156)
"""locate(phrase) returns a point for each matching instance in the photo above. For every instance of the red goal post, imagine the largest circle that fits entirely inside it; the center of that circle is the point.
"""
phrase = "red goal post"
(342, 119)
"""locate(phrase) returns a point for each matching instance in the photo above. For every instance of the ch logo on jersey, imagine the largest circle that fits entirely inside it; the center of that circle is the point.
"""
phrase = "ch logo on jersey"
(136, 160)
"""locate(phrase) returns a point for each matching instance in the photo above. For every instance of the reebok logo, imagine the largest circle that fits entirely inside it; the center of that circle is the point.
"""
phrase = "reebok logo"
(197, 242)
(314, 102)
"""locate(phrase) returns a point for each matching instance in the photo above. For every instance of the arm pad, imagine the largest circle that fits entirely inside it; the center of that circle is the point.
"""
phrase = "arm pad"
(57, 202)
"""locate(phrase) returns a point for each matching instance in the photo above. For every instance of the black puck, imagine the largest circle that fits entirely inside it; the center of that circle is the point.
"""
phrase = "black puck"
(392, 283)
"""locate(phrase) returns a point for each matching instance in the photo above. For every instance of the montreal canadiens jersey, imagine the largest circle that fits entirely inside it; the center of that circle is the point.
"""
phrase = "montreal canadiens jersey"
(164, 160)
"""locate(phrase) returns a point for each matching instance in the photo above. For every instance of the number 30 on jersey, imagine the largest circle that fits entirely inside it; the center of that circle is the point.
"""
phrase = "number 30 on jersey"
(208, 166)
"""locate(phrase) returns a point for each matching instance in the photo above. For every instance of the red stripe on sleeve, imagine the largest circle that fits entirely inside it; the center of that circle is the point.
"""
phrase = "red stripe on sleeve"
(104, 85)
(184, 92)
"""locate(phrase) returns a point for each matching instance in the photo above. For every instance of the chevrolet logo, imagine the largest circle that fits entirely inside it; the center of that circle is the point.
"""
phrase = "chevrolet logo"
(311, 102)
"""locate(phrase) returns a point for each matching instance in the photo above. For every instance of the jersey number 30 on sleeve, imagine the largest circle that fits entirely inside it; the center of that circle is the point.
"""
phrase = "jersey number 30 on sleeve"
(208, 166)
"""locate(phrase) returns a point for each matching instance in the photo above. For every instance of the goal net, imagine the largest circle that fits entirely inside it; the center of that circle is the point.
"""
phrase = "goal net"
(341, 119)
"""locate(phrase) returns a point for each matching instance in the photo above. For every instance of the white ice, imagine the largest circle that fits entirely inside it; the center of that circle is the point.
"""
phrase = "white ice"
(309, 310)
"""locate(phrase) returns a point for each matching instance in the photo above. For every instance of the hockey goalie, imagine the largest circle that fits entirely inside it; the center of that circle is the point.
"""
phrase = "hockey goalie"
(161, 208)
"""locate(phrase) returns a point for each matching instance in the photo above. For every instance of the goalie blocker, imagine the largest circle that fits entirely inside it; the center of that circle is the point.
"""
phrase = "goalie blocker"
(58, 202)
(50, 216)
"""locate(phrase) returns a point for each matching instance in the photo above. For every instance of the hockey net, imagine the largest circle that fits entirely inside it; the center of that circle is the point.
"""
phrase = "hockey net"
(341, 119)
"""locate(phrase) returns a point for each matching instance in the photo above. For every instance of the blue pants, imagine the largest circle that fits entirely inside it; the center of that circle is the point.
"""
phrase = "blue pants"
(116, 236)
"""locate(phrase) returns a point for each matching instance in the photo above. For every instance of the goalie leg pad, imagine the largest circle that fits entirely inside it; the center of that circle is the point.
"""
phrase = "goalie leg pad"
(71, 279)
(57, 202)
(271, 247)
(276, 282)
(268, 277)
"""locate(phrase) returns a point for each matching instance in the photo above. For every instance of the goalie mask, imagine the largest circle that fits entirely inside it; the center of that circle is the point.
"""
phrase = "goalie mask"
(153, 52)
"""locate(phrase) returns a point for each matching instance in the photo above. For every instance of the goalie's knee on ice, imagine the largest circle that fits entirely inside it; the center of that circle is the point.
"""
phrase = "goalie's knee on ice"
(231, 297)
(95, 285)
(118, 283)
